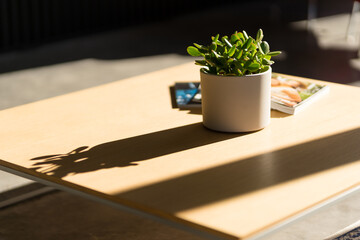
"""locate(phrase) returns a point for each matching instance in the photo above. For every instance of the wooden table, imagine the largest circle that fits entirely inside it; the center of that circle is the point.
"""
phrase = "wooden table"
(123, 144)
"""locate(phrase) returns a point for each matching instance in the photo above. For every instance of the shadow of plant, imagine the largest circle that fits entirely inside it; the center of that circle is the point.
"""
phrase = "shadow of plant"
(250, 174)
(129, 151)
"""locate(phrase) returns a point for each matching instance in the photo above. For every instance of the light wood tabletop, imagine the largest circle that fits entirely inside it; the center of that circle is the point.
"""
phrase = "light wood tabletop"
(124, 143)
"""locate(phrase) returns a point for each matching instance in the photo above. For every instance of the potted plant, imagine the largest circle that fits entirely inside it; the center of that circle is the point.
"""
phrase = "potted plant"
(235, 81)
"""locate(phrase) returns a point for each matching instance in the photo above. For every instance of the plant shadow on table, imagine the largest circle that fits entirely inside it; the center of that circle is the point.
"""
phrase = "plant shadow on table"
(129, 151)
(250, 174)
(210, 185)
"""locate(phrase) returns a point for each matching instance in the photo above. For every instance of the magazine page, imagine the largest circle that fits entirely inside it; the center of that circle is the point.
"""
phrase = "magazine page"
(290, 95)
(186, 93)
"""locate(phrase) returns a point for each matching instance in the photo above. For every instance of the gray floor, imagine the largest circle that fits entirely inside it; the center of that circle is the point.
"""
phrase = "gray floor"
(61, 216)
(68, 66)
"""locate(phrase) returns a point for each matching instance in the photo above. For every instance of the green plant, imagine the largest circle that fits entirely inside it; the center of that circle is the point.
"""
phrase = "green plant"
(235, 56)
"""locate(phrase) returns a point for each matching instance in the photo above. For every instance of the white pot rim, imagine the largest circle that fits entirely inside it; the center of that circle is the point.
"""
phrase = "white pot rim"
(229, 76)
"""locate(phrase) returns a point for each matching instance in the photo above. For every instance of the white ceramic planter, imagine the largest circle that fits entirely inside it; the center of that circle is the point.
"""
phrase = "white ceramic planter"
(236, 104)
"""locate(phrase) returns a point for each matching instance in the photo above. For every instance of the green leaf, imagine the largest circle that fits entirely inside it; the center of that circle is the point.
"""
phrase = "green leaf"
(193, 51)
(234, 38)
(245, 35)
(216, 38)
(230, 60)
(221, 49)
(252, 66)
(265, 68)
(227, 42)
(252, 47)
(265, 47)
(232, 51)
(259, 35)
(239, 72)
(260, 50)
(200, 46)
(224, 37)
(253, 54)
(211, 63)
(213, 46)
(241, 36)
(212, 70)
(219, 43)
(237, 64)
(247, 63)
(247, 43)
(204, 70)
(275, 53)
(222, 60)
(215, 54)
(238, 54)
(267, 62)
(222, 72)
(201, 62)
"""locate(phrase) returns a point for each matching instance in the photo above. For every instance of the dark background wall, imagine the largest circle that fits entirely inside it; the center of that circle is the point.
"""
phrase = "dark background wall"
(27, 23)
(37, 33)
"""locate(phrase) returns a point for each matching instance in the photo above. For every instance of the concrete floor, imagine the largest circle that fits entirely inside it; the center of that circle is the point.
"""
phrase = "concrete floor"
(75, 64)
(60, 216)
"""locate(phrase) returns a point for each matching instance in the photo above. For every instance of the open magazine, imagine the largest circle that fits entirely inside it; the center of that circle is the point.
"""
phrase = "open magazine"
(287, 95)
